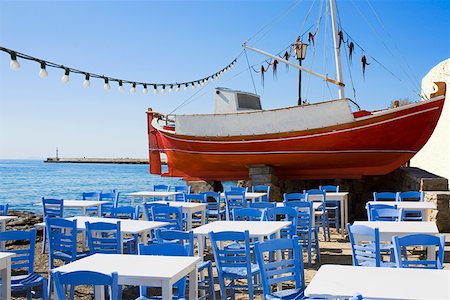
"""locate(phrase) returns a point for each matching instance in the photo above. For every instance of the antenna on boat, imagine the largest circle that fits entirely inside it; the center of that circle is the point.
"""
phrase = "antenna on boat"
(337, 50)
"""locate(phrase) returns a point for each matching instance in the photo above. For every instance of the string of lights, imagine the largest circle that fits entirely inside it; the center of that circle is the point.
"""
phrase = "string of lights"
(157, 87)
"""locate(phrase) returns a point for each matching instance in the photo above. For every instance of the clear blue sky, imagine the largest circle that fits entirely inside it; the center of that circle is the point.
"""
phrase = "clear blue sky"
(174, 41)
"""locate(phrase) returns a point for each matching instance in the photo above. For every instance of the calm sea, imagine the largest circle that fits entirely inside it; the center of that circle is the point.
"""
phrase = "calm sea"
(24, 182)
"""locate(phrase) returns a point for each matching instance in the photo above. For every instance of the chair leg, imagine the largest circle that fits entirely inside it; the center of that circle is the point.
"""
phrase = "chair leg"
(44, 240)
(316, 234)
(211, 282)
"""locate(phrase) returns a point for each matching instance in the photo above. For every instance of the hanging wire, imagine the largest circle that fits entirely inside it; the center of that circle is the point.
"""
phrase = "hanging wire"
(251, 74)
(306, 19)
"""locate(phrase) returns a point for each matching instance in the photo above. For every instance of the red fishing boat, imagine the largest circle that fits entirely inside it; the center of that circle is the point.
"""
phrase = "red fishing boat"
(311, 141)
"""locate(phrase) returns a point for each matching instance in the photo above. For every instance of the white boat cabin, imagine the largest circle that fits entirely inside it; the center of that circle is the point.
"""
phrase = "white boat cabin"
(232, 101)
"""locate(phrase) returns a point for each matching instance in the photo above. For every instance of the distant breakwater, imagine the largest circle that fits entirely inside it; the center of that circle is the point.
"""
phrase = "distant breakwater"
(85, 160)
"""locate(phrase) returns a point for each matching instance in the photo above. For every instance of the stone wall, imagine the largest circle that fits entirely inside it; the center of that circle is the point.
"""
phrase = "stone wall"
(442, 215)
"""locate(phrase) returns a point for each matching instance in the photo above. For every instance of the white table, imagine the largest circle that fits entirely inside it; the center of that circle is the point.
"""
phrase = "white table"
(143, 270)
(151, 194)
(3, 220)
(424, 207)
(5, 271)
(342, 197)
(390, 229)
(189, 208)
(83, 204)
(257, 229)
(335, 281)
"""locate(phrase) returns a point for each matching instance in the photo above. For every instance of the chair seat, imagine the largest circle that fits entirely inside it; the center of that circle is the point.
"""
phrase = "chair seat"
(290, 294)
(68, 258)
(239, 271)
(23, 282)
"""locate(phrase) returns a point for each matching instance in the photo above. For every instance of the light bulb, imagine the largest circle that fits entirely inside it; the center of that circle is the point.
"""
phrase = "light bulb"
(171, 88)
(163, 91)
(14, 64)
(178, 88)
(133, 88)
(106, 86)
(155, 89)
(120, 88)
(186, 87)
(43, 72)
(65, 79)
(145, 90)
(193, 85)
(86, 82)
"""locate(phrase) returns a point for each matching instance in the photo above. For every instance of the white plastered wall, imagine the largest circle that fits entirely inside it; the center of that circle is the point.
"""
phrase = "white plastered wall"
(434, 157)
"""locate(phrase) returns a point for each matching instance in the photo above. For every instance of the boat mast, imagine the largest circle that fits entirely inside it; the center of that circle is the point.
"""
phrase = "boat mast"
(337, 52)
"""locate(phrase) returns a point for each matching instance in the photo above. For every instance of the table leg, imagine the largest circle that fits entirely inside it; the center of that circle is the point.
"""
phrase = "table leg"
(203, 215)
(99, 292)
(167, 289)
(193, 288)
(201, 242)
(132, 200)
(344, 214)
(6, 279)
(189, 220)
(144, 237)
(425, 215)
(2, 228)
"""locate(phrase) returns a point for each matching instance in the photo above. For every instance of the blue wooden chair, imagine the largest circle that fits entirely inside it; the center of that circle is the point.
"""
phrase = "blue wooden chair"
(294, 197)
(247, 214)
(113, 200)
(195, 198)
(214, 206)
(308, 234)
(384, 212)
(427, 240)
(366, 246)
(148, 209)
(234, 199)
(283, 213)
(332, 207)
(262, 189)
(321, 213)
(131, 213)
(187, 240)
(53, 208)
(104, 237)
(234, 263)
(411, 215)
(4, 209)
(165, 249)
(239, 189)
(185, 189)
(91, 196)
(24, 260)
(289, 271)
(262, 205)
(384, 196)
(161, 188)
(62, 280)
(173, 216)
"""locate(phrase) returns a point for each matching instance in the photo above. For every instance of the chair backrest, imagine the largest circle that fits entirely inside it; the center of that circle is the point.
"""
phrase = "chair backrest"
(365, 242)
(185, 189)
(262, 205)
(228, 257)
(4, 209)
(173, 216)
(53, 207)
(287, 270)
(161, 188)
(239, 189)
(212, 200)
(372, 206)
(196, 198)
(247, 214)
(24, 258)
(329, 188)
(305, 217)
(294, 197)
(235, 199)
(283, 213)
(410, 196)
(262, 189)
(112, 197)
(384, 196)
(427, 240)
(185, 238)
(322, 195)
(62, 238)
(90, 195)
(148, 209)
(126, 212)
(62, 280)
(104, 237)
(385, 213)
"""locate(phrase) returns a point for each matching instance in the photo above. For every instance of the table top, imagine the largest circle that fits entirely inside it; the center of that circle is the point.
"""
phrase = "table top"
(389, 229)
(341, 196)
(80, 203)
(153, 194)
(193, 205)
(379, 283)
(135, 269)
(7, 218)
(408, 204)
(316, 205)
(255, 228)
(4, 255)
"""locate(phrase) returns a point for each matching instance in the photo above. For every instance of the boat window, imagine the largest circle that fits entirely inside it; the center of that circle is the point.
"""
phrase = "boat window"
(246, 101)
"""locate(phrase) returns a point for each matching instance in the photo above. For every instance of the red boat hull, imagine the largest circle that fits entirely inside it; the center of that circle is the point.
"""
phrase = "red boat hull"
(371, 145)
